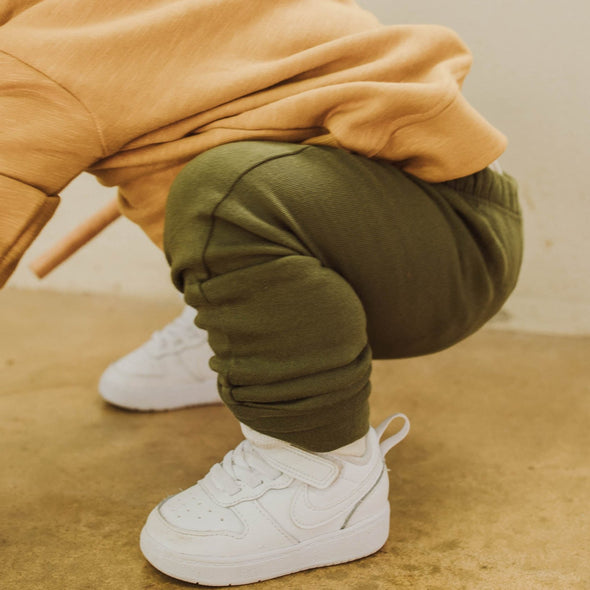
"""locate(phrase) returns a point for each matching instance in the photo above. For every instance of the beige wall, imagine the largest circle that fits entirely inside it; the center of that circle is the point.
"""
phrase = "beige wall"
(531, 78)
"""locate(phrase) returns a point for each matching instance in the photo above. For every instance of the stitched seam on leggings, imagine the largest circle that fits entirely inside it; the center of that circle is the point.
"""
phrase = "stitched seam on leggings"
(210, 236)
(229, 192)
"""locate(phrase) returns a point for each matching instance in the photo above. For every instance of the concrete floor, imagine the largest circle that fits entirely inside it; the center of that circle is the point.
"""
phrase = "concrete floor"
(490, 491)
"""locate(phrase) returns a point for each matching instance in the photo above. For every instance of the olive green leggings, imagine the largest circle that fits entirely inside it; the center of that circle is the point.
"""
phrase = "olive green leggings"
(306, 262)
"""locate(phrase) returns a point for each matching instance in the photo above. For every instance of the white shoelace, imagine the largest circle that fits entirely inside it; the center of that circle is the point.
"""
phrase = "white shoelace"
(177, 332)
(243, 465)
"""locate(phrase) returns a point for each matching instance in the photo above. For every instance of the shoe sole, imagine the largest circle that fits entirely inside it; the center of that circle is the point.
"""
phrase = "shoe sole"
(146, 399)
(360, 540)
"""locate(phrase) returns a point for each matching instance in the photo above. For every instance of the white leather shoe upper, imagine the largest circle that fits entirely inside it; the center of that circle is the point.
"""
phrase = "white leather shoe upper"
(271, 509)
(170, 370)
(267, 494)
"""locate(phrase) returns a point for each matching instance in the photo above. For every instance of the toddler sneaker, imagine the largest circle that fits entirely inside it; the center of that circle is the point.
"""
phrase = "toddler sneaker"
(170, 371)
(271, 509)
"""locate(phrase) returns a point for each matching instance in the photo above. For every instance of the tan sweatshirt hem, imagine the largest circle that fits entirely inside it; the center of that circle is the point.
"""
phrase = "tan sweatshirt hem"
(25, 211)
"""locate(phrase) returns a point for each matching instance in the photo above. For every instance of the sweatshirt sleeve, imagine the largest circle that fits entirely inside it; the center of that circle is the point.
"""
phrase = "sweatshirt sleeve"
(47, 138)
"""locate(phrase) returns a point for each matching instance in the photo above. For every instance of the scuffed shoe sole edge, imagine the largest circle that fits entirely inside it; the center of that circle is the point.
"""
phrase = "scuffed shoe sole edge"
(349, 544)
(154, 400)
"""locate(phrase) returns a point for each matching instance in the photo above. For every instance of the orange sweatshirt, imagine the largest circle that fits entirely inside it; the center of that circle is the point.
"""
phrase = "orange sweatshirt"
(132, 90)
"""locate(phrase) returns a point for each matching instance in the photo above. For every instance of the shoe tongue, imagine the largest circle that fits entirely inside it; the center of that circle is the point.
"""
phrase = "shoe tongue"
(261, 440)
(188, 315)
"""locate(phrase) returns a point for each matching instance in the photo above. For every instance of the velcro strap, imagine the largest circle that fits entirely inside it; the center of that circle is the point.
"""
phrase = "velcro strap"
(309, 468)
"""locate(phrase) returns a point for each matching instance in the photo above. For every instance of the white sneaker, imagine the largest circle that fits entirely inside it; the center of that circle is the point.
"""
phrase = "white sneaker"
(271, 509)
(170, 371)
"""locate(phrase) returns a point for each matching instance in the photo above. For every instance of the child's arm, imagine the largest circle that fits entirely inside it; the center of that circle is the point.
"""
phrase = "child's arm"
(47, 138)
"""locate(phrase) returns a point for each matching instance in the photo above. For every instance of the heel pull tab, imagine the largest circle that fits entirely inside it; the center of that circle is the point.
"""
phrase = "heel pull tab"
(395, 439)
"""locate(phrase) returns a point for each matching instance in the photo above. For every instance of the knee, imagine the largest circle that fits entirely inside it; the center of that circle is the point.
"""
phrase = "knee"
(203, 183)
(223, 212)
(210, 177)
(192, 200)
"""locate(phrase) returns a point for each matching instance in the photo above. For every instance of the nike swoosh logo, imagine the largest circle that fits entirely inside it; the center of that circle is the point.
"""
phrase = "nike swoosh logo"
(308, 515)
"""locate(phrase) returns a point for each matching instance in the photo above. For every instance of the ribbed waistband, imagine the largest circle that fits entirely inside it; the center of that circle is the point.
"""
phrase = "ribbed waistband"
(498, 188)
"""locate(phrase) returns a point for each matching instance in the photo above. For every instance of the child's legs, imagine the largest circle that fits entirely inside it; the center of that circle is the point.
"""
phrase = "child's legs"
(302, 259)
